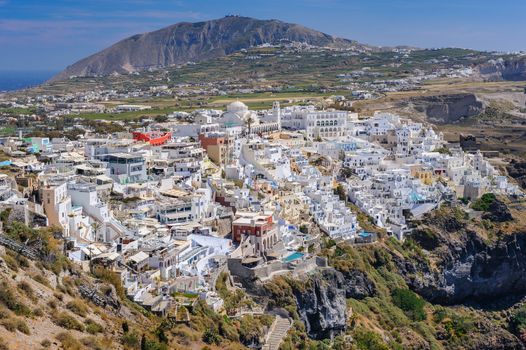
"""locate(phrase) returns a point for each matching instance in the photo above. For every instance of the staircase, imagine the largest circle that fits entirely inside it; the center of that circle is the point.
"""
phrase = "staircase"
(278, 331)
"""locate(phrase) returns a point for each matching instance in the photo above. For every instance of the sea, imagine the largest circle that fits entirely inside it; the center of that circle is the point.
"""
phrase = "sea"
(17, 80)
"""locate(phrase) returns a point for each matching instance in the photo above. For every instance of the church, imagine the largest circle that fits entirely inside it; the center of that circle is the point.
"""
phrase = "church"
(238, 115)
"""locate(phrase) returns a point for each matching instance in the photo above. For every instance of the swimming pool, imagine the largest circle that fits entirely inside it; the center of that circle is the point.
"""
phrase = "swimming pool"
(364, 234)
(293, 256)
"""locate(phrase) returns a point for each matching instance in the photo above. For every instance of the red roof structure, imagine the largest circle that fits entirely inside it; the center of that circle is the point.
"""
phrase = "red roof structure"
(153, 138)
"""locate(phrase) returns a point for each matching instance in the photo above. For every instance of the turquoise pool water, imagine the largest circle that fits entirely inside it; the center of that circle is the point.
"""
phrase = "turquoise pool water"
(293, 256)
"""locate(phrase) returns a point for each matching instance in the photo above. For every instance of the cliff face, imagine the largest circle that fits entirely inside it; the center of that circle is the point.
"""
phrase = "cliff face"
(320, 299)
(184, 42)
(496, 70)
(449, 108)
(323, 308)
(357, 285)
(517, 170)
(468, 268)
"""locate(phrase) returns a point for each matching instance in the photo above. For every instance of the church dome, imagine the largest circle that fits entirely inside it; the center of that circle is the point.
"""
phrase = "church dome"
(237, 106)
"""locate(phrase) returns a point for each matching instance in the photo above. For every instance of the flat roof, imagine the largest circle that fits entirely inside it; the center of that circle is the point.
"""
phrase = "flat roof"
(140, 256)
(126, 155)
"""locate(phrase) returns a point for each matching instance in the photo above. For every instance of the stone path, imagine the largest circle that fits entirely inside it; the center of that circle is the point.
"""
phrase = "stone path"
(278, 331)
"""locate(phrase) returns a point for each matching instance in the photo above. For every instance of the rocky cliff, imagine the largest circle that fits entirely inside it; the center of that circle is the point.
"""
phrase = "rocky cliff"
(322, 307)
(497, 70)
(184, 42)
(467, 267)
(450, 261)
(444, 109)
(320, 299)
(517, 170)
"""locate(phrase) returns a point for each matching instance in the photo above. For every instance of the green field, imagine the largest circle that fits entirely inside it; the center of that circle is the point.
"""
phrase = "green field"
(164, 106)
(295, 71)
(124, 115)
(17, 111)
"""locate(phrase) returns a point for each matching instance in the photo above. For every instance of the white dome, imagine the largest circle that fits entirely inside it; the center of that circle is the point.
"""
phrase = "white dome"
(237, 106)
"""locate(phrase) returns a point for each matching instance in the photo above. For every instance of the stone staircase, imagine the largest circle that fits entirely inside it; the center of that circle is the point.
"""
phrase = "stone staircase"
(278, 331)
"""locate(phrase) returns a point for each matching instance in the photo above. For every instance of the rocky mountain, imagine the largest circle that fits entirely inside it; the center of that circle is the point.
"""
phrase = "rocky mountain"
(184, 42)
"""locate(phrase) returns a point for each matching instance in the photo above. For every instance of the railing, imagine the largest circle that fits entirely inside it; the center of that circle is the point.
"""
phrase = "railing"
(20, 248)
(98, 299)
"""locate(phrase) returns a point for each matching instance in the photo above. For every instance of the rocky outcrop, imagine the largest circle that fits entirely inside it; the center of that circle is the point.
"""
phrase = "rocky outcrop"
(357, 285)
(517, 170)
(496, 70)
(320, 298)
(498, 212)
(322, 305)
(449, 108)
(490, 337)
(184, 42)
(467, 268)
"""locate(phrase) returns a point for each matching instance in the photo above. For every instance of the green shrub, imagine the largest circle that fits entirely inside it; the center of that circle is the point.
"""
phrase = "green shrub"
(38, 312)
(12, 324)
(518, 320)
(9, 299)
(27, 289)
(22, 326)
(93, 327)
(149, 344)
(58, 296)
(23, 261)
(69, 341)
(46, 343)
(9, 324)
(458, 326)
(92, 342)
(77, 307)
(251, 328)
(112, 278)
(42, 280)
(367, 340)
(4, 313)
(130, 340)
(52, 304)
(67, 321)
(11, 262)
(410, 303)
(210, 336)
(484, 202)
(443, 150)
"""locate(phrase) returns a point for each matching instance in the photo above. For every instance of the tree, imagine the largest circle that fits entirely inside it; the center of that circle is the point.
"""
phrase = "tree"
(125, 327)
(210, 336)
(341, 155)
(249, 121)
(161, 119)
(96, 227)
(340, 191)
(161, 335)
(346, 172)
(143, 342)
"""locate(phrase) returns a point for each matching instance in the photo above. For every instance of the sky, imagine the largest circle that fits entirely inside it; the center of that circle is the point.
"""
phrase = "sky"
(52, 34)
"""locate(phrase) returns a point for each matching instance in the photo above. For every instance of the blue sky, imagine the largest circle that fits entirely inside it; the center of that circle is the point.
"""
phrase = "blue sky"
(49, 35)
